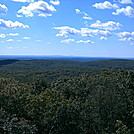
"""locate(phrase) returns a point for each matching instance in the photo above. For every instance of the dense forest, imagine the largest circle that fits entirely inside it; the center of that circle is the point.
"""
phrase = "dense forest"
(67, 97)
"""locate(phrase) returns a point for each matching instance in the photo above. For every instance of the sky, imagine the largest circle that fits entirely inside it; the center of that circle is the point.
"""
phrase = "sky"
(91, 28)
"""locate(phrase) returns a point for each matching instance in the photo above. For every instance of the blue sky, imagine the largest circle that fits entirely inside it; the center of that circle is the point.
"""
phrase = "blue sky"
(96, 28)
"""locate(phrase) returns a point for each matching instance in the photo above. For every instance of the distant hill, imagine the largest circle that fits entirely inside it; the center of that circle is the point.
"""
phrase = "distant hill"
(53, 69)
(56, 57)
(60, 64)
(9, 61)
(113, 64)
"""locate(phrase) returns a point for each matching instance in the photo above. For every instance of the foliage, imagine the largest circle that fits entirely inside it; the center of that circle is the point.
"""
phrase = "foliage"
(66, 101)
(121, 128)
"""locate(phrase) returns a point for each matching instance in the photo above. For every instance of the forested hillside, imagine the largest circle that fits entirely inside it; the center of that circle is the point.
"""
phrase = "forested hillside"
(5, 62)
(59, 64)
(63, 97)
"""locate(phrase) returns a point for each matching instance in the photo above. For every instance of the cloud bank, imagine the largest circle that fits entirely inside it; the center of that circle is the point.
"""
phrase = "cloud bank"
(12, 25)
(65, 31)
(128, 11)
(40, 8)
(86, 32)
(110, 25)
(105, 5)
(126, 36)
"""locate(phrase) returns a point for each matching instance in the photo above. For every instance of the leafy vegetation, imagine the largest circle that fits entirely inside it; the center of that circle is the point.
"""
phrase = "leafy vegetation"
(60, 97)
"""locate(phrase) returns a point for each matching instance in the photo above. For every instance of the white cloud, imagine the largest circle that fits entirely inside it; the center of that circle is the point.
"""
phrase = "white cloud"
(41, 8)
(26, 38)
(10, 40)
(126, 1)
(110, 25)
(86, 16)
(12, 25)
(3, 9)
(126, 36)
(105, 5)
(19, 15)
(65, 31)
(103, 38)
(90, 32)
(128, 11)
(85, 41)
(10, 34)
(55, 2)
(2, 35)
(13, 34)
(23, 0)
(77, 11)
(79, 41)
(68, 41)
